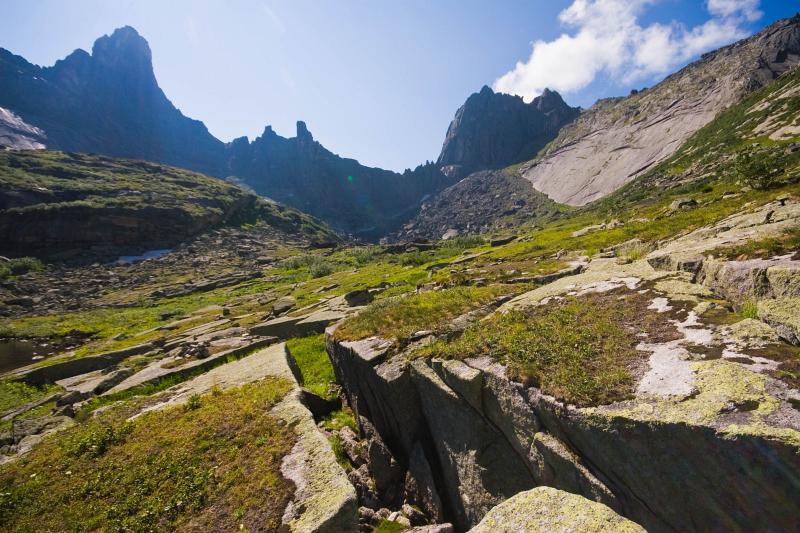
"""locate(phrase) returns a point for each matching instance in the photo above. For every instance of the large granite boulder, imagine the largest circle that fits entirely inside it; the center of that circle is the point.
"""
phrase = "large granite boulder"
(545, 509)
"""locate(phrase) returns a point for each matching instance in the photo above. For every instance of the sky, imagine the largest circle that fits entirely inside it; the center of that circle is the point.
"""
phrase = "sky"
(379, 81)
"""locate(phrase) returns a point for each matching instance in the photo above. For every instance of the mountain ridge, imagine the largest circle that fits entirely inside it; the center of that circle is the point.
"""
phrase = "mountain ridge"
(109, 102)
(617, 139)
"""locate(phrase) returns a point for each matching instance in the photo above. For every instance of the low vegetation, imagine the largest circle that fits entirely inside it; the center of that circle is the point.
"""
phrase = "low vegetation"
(18, 266)
(400, 317)
(787, 243)
(580, 350)
(315, 366)
(213, 467)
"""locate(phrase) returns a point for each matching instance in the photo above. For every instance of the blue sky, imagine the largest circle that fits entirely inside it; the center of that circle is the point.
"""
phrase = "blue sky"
(380, 80)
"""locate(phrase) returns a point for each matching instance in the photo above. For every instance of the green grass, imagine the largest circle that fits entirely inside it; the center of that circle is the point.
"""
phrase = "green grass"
(214, 467)
(386, 526)
(15, 394)
(788, 242)
(749, 309)
(152, 387)
(579, 350)
(400, 317)
(338, 450)
(340, 419)
(315, 365)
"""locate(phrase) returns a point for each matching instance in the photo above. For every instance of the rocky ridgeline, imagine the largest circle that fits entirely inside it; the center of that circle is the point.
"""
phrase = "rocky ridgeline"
(618, 139)
(109, 102)
(709, 440)
(493, 130)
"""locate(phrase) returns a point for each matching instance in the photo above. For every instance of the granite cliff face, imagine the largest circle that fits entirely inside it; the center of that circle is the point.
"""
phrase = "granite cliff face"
(493, 130)
(109, 102)
(618, 139)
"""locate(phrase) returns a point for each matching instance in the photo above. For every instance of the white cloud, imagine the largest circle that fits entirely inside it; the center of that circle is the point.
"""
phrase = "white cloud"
(607, 37)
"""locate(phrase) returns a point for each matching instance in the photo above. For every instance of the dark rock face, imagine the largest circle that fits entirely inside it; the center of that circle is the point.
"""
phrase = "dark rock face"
(109, 102)
(493, 130)
(353, 198)
(487, 438)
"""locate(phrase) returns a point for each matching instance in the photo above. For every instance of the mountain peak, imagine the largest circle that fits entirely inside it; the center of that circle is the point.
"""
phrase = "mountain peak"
(302, 131)
(492, 130)
(123, 48)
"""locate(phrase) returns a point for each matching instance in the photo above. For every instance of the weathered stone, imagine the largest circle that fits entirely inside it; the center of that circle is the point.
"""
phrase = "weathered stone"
(479, 467)
(420, 488)
(784, 315)
(358, 297)
(385, 470)
(378, 390)
(500, 241)
(588, 229)
(74, 367)
(548, 509)
(281, 306)
(682, 203)
(354, 448)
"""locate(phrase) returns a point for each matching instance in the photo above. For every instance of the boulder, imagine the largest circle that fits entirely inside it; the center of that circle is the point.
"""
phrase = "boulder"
(500, 241)
(682, 203)
(554, 511)
(281, 306)
(359, 297)
(783, 315)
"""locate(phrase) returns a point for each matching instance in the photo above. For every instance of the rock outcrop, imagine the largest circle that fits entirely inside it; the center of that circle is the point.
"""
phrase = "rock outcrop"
(620, 138)
(16, 134)
(494, 130)
(702, 431)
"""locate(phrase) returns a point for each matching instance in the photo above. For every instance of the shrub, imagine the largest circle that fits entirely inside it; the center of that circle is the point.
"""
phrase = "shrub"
(756, 169)
(320, 268)
(750, 309)
(18, 266)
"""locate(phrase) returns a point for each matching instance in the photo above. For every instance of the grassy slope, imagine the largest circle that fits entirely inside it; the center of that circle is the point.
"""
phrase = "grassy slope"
(41, 182)
(212, 465)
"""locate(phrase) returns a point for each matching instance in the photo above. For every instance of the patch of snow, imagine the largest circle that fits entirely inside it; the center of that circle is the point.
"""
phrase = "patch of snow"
(150, 254)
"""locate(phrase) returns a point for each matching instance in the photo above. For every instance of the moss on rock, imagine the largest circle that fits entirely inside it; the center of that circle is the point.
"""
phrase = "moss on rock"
(555, 511)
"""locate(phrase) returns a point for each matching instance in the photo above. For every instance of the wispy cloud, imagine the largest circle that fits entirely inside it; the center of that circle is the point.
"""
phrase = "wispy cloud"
(607, 37)
(273, 17)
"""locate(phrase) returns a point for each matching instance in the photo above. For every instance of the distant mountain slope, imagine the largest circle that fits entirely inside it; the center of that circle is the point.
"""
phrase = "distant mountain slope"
(759, 136)
(299, 171)
(60, 205)
(484, 201)
(109, 102)
(17, 134)
(494, 130)
(620, 138)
